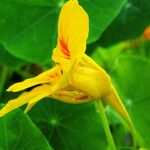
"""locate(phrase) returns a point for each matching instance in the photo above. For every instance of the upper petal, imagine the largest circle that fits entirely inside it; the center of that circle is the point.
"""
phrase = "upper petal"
(73, 28)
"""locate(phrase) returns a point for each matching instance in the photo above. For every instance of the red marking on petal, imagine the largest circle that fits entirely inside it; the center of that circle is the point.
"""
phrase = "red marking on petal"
(54, 75)
(64, 49)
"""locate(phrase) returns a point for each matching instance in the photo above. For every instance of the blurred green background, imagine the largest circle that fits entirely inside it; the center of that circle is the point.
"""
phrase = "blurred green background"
(28, 33)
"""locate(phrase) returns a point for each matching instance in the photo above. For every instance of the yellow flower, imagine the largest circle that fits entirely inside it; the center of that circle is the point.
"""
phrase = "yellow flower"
(76, 78)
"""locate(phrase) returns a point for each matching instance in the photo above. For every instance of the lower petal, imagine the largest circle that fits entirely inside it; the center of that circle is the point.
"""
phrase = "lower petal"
(28, 97)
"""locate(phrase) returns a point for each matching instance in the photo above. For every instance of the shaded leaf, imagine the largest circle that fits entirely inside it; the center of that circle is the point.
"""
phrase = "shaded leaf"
(9, 60)
(19, 133)
(130, 23)
(69, 127)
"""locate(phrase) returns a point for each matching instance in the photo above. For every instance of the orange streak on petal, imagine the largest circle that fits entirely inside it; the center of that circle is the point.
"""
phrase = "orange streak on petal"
(64, 48)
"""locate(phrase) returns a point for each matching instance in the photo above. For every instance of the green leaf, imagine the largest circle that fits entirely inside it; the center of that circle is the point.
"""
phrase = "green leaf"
(132, 78)
(19, 133)
(146, 48)
(106, 57)
(70, 127)
(101, 14)
(29, 28)
(10, 61)
(130, 23)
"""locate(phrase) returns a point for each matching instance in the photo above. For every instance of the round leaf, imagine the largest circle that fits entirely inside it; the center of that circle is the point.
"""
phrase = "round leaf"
(69, 126)
(19, 133)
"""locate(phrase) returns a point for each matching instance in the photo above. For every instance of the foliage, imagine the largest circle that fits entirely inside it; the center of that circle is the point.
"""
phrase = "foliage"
(18, 132)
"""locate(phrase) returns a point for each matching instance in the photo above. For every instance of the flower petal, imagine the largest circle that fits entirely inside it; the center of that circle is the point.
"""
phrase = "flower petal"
(68, 73)
(95, 83)
(51, 76)
(28, 97)
(73, 28)
(146, 34)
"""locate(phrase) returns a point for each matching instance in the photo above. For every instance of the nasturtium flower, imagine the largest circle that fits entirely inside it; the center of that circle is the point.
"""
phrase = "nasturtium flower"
(146, 34)
(76, 78)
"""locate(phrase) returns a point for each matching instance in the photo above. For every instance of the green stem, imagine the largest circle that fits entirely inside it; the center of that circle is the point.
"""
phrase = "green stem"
(102, 113)
(3, 78)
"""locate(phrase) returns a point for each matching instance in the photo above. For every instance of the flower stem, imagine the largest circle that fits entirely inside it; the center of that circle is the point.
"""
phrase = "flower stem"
(3, 78)
(102, 113)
